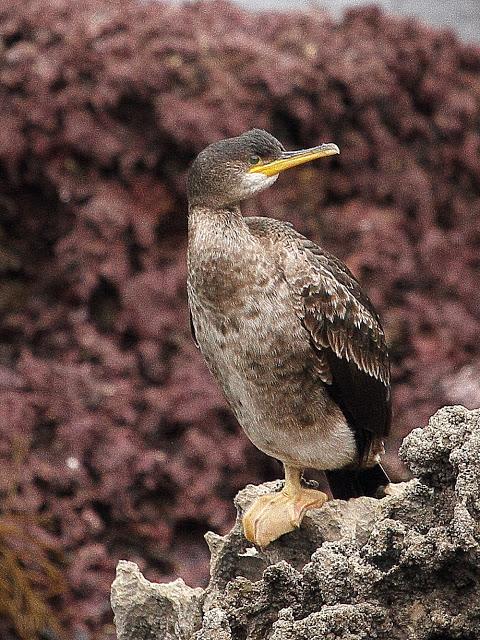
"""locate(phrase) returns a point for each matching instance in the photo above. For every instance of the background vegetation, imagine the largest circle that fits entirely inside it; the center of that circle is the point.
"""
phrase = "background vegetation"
(129, 448)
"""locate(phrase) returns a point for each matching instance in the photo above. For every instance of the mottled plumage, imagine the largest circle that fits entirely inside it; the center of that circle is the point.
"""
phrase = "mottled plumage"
(284, 326)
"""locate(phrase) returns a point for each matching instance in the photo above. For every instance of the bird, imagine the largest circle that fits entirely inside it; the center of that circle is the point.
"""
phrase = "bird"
(285, 328)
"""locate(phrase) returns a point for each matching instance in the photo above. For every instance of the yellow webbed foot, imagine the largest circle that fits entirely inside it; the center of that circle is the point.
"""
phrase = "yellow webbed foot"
(271, 516)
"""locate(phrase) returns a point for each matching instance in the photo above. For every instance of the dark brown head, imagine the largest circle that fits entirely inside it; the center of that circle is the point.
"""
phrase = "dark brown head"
(229, 171)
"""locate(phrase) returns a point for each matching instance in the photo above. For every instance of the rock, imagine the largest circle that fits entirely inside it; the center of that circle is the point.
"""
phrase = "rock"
(145, 610)
(405, 567)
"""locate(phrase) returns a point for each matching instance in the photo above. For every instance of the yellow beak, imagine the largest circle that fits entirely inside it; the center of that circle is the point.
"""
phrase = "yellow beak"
(290, 159)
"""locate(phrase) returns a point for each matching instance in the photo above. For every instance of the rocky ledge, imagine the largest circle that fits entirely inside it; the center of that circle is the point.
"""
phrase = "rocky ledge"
(405, 567)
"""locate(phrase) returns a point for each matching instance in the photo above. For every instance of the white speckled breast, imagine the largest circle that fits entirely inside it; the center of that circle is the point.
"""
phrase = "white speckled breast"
(254, 344)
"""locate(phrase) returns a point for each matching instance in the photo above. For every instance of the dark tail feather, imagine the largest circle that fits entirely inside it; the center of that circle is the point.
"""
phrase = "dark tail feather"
(353, 483)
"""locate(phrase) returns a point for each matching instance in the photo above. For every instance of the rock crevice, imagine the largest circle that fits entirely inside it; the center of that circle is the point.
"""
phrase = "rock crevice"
(406, 567)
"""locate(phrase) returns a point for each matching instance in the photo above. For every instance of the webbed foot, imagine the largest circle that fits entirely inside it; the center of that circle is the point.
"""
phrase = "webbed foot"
(271, 516)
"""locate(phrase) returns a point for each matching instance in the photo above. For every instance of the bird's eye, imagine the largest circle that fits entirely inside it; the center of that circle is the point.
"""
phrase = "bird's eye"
(254, 159)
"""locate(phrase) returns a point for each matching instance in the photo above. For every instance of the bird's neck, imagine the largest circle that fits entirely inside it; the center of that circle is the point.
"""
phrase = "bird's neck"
(228, 216)
(219, 243)
(220, 229)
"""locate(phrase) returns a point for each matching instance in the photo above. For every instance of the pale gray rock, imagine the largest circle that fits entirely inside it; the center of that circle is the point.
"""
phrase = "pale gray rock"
(144, 610)
(406, 567)
(215, 626)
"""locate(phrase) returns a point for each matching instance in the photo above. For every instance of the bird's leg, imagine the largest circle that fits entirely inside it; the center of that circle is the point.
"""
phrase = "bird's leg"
(270, 516)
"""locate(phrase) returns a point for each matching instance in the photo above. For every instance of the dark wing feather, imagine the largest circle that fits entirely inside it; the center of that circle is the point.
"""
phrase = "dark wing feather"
(192, 329)
(345, 332)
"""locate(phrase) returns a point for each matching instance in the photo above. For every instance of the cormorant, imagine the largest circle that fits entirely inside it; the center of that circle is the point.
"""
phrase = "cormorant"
(285, 328)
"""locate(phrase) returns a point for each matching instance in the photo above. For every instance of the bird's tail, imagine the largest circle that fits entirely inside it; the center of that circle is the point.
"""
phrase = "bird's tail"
(353, 483)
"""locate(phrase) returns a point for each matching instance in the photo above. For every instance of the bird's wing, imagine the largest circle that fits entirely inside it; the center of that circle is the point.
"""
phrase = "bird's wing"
(344, 331)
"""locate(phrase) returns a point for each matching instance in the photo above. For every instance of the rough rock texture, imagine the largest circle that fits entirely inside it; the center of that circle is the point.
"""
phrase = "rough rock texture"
(406, 567)
(144, 610)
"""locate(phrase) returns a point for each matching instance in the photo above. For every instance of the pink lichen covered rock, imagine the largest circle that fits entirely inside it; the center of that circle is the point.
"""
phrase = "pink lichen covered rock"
(110, 425)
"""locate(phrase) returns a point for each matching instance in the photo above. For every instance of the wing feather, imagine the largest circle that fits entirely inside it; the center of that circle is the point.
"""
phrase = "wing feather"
(192, 330)
(345, 333)
(344, 329)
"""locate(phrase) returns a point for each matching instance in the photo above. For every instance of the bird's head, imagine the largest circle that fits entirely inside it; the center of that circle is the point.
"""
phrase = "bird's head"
(232, 170)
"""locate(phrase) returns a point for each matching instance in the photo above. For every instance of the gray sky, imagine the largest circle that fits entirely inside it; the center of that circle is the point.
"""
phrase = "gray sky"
(462, 15)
